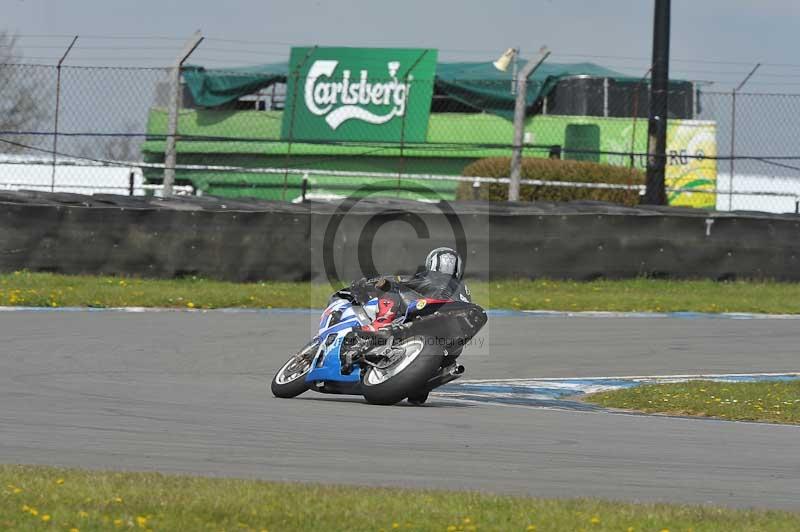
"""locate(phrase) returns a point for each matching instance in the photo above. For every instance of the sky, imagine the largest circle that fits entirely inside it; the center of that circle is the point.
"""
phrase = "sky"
(712, 40)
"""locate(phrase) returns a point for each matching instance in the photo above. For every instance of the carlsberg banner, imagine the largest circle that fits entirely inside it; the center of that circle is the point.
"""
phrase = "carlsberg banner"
(362, 94)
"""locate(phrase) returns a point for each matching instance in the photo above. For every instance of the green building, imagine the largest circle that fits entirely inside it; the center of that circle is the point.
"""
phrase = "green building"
(249, 131)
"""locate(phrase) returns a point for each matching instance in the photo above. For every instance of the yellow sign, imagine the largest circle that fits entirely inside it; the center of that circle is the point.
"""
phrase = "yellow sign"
(691, 174)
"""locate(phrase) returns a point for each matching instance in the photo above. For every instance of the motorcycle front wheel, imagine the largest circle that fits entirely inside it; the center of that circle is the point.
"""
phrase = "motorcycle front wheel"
(406, 376)
(290, 381)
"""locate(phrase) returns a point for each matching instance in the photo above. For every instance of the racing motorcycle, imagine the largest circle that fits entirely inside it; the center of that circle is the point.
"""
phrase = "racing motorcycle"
(405, 358)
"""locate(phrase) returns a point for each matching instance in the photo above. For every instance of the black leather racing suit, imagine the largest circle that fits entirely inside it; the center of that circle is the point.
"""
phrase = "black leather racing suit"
(434, 285)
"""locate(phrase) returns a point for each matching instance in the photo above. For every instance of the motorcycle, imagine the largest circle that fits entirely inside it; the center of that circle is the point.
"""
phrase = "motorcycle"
(403, 359)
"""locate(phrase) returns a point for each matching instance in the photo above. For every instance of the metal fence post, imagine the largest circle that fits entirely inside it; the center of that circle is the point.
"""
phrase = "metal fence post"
(733, 150)
(58, 104)
(476, 190)
(170, 155)
(519, 123)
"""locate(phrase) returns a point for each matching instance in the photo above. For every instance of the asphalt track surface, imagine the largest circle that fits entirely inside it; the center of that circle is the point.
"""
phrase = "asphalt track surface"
(187, 392)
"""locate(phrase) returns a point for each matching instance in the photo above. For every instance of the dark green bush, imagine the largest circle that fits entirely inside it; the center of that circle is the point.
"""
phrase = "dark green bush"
(553, 170)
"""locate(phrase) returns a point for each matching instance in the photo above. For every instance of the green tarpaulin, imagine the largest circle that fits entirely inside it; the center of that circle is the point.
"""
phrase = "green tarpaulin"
(476, 84)
(482, 86)
(215, 87)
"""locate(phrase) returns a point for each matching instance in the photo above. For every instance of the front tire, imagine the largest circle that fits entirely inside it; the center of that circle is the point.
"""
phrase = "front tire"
(290, 381)
(406, 377)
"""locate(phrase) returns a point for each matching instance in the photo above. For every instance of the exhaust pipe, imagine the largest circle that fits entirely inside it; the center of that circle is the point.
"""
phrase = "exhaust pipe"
(456, 369)
(445, 375)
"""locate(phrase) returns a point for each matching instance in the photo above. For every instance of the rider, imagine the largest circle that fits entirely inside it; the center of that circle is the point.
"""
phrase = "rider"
(441, 279)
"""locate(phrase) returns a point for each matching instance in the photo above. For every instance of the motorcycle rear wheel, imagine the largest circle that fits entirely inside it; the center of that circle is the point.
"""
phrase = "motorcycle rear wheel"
(290, 381)
(406, 377)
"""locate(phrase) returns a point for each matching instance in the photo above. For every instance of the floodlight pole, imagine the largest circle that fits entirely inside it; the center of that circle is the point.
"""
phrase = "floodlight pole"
(170, 155)
(519, 122)
(655, 189)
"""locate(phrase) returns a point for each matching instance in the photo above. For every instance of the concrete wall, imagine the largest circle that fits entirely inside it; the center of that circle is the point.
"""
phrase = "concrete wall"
(248, 241)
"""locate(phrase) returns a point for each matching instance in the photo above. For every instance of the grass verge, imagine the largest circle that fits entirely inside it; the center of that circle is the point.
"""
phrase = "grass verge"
(642, 295)
(774, 401)
(43, 498)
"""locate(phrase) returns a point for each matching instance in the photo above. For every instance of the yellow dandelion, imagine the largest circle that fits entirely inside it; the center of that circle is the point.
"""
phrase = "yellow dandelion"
(595, 520)
(630, 529)
(531, 528)
(26, 508)
(45, 518)
(141, 521)
(395, 525)
(467, 520)
(117, 522)
(665, 530)
(117, 499)
(73, 529)
(59, 481)
(83, 514)
(190, 304)
(34, 512)
(451, 528)
(16, 490)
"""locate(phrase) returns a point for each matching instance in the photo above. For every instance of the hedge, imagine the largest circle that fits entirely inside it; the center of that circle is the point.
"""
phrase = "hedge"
(553, 170)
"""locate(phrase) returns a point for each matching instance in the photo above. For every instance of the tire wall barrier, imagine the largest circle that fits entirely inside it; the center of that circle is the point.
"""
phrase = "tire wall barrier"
(248, 241)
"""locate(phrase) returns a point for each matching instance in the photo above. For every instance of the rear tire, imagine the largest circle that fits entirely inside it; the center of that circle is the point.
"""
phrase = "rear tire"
(409, 380)
(290, 381)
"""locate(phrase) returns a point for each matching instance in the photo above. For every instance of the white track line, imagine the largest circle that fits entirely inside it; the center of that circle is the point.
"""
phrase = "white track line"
(633, 377)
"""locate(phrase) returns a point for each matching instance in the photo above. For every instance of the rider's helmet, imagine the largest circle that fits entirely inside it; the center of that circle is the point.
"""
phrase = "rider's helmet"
(445, 260)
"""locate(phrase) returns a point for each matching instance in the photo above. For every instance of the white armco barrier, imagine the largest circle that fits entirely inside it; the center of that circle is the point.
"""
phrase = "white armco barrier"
(778, 194)
(69, 175)
(773, 194)
(77, 176)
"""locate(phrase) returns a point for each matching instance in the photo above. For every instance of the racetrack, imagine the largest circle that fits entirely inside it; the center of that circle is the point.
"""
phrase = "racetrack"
(188, 392)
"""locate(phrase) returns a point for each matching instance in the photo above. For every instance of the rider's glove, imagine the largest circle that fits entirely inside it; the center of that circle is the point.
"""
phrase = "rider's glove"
(365, 289)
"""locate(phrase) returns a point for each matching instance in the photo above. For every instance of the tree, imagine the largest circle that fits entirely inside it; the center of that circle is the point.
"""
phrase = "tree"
(20, 109)
(126, 147)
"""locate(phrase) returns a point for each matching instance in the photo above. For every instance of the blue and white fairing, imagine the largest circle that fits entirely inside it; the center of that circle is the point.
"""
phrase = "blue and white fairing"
(336, 322)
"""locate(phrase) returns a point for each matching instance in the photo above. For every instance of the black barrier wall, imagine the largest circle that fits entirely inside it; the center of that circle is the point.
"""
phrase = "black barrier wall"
(249, 241)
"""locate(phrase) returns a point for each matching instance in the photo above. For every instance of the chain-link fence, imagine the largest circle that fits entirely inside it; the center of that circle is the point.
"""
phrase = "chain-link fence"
(756, 134)
(273, 133)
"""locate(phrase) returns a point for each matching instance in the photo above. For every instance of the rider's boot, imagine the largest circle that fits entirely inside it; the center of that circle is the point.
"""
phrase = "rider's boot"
(418, 399)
